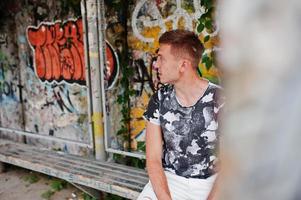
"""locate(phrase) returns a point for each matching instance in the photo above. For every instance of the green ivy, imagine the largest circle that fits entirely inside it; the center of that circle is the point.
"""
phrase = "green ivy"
(206, 25)
(124, 100)
(127, 73)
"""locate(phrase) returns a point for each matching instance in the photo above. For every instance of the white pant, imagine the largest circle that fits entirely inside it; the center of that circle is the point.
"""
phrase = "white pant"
(181, 188)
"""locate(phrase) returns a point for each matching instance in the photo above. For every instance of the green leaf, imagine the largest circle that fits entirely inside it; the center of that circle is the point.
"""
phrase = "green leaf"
(120, 99)
(202, 19)
(132, 92)
(206, 38)
(208, 64)
(141, 146)
(123, 81)
(204, 2)
(199, 72)
(209, 4)
(122, 131)
(210, 11)
(205, 58)
(200, 28)
(208, 24)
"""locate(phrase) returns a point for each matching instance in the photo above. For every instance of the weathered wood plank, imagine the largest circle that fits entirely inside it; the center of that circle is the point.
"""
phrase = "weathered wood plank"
(108, 177)
(124, 181)
(140, 175)
(88, 168)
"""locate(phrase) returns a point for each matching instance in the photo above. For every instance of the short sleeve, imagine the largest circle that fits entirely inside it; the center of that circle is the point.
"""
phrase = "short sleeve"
(152, 113)
(220, 99)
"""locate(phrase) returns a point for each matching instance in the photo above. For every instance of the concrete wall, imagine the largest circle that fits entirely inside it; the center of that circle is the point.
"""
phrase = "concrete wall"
(43, 74)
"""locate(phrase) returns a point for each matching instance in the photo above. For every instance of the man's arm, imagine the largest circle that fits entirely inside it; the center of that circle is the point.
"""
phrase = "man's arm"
(154, 161)
(213, 193)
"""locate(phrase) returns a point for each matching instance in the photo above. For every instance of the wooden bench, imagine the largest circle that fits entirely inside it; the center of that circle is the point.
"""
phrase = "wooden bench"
(104, 176)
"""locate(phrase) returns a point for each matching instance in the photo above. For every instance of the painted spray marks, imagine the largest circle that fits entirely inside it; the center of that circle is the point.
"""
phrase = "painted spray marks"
(9, 88)
(59, 53)
(155, 17)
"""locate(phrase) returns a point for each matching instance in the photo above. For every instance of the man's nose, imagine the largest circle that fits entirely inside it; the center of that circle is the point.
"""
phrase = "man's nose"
(155, 65)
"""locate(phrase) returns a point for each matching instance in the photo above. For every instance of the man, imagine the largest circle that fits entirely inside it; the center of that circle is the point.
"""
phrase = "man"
(181, 132)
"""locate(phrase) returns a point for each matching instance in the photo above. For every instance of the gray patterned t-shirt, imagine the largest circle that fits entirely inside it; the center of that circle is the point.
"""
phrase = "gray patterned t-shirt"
(190, 134)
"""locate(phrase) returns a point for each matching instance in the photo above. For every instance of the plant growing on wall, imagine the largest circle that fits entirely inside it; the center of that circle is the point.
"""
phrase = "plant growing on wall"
(207, 28)
(124, 98)
(127, 72)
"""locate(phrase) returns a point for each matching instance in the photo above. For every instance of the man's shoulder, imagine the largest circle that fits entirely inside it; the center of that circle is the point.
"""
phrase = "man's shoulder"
(215, 86)
(218, 92)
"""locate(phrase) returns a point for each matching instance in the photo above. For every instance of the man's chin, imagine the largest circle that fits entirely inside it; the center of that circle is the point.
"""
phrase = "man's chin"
(163, 81)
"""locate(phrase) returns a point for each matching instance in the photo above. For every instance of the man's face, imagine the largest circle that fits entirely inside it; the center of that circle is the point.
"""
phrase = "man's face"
(167, 65)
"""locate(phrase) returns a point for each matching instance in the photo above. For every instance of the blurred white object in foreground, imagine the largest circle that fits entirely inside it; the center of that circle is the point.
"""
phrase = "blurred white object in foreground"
(261, 57)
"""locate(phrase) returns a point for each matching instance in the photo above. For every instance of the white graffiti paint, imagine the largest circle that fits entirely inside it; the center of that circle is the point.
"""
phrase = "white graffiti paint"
(160, 21)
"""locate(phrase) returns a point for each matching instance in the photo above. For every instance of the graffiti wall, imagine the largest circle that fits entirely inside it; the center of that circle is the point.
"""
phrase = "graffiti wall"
(11, 88)
(42, 72)
(146, 21)
(43, 91)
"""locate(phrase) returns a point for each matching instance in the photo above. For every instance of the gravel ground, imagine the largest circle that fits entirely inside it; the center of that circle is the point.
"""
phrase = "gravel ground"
(21, 184)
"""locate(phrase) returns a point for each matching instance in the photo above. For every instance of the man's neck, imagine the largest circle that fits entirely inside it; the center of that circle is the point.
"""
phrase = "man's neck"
(190, 90)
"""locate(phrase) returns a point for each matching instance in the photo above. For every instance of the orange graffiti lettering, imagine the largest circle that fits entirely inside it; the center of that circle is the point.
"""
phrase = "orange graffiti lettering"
(59, 52)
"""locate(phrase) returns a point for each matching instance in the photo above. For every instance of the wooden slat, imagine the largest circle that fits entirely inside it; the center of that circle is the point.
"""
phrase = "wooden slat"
(125, 181)
(108, 177)
(86, 166)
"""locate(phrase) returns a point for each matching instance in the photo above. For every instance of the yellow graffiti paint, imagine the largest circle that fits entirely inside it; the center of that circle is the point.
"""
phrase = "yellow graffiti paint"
(93, 54)
(213, 74)
(181, 23)
(168, 25)
(98, 134)
(97, 125)
(137, 122)
(148, 32)
(144, 99)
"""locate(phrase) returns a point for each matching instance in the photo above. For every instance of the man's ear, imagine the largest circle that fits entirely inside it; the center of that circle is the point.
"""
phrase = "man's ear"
(185, 65)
